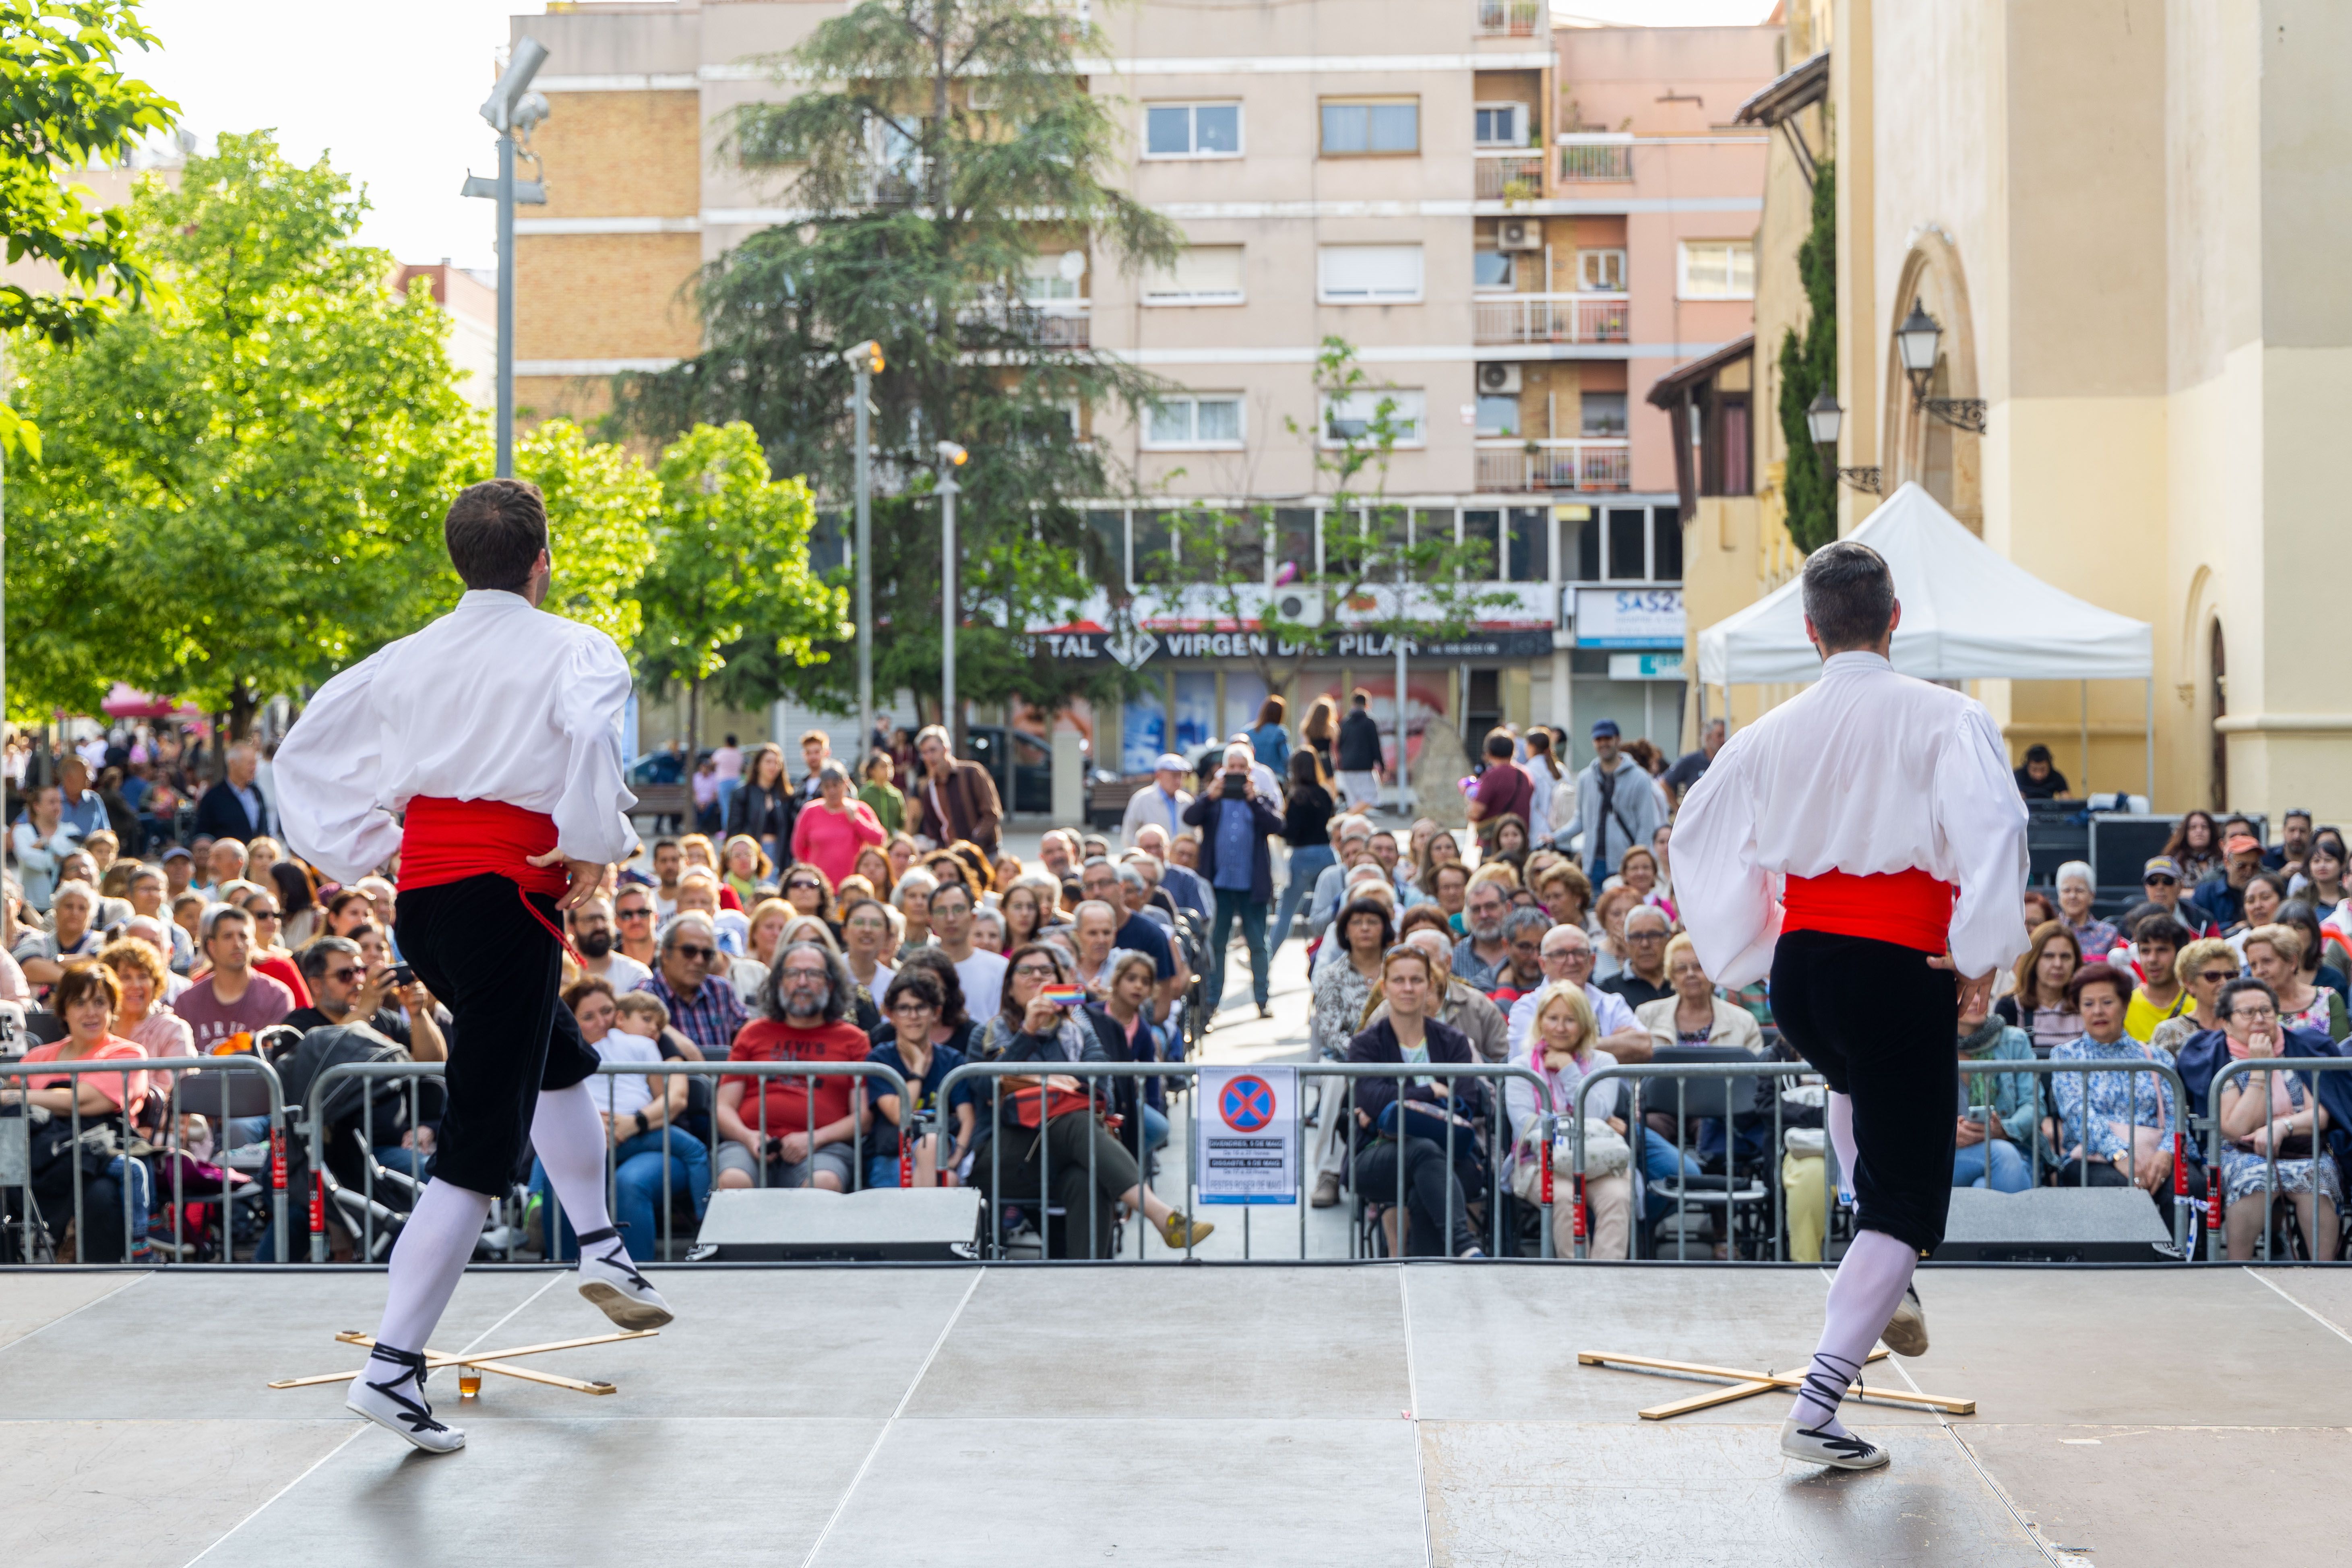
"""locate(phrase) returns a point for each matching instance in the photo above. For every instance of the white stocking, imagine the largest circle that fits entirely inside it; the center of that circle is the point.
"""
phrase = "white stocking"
(1869, 1286)
(427, 1261)
(569, 1137)
(1840, 1118)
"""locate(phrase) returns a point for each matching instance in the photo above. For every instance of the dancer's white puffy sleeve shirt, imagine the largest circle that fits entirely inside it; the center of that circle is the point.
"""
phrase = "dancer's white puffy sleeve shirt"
(1866, 772)
(496, 700)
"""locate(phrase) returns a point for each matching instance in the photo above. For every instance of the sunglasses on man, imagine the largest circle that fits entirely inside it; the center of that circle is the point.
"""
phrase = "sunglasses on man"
(694, 952)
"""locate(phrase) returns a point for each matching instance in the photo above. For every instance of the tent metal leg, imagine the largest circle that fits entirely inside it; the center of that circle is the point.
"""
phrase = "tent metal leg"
(2147, 736)
(2083, 781)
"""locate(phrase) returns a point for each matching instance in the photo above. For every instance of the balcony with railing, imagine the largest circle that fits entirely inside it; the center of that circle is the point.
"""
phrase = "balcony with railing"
(1581, 317)
(1030, 323)
(1603, 156)
(1510, 18)
(1590, 463)
(1510, 174)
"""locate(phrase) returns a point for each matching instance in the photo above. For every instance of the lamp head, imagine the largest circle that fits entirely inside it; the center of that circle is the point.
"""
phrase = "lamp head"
(528, 111)
(952, 455)
(523, 64)
(867, 356)
(1824, 418)
(1915, 341)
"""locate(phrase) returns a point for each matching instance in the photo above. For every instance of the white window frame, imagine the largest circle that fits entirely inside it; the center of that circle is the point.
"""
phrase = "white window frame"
(1324, 295)
(1194, 400)
(1176, 301)
(1685, 249)
(1601, 252)
(1411, 404)
(1518, 113)
(1192, 128)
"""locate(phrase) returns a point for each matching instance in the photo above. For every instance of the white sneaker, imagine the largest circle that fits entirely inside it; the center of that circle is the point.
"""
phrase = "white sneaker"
(397, 1403)
(1819, 1448)
(612, 1282)
(1906, 1332)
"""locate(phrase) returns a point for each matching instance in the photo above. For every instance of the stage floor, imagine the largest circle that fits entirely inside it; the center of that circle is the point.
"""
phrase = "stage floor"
(1373, 1415)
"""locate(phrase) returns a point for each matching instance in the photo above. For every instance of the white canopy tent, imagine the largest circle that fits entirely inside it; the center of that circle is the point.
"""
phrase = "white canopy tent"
(1969, 613)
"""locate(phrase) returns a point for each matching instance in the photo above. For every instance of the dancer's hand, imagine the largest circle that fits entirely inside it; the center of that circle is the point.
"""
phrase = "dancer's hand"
(587, 876)
(1975, 992)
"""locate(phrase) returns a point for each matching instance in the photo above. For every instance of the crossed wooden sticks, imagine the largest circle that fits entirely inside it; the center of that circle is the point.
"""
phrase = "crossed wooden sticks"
(487, 1361)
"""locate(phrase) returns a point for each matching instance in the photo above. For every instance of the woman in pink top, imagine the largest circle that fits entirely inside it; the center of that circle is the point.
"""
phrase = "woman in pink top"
(829, 834)
(87, 996)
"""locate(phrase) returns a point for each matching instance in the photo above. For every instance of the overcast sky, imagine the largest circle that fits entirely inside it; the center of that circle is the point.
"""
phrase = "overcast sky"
(391, 92)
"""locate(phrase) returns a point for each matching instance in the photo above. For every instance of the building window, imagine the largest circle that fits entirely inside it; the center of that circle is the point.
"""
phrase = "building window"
(1629, 544)
(1368, 274)
(1206, 421)
(1350, 417)
(1193, 131)
(1499, 413)
(1717, 270)
(1492, 269)
(1202, 275)
(1603, 416)
(1042, 281)
(1370, 127)
(1600, 271)
(1502, 125)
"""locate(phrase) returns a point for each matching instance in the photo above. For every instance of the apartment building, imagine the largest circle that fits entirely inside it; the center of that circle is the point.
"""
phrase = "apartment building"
(1519, 228)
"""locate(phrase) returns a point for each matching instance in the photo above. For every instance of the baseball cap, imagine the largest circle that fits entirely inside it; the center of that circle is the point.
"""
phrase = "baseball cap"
(1170, 763)
(1605, 727)
(2160, 866)
(178, 852)
(2242, 843)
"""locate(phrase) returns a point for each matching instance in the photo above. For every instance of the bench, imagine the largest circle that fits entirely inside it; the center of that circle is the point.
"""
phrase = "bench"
(1107, 799)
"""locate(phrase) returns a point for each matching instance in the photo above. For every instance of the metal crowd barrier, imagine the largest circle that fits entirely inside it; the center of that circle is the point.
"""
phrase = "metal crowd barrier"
(2216, 1187)
(191, 1078)
(1727, 1073)
(1496, 1136)
(372, 1212)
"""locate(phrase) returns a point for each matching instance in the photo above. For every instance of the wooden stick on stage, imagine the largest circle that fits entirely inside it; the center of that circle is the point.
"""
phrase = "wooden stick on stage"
(1745, 1384)
(487, 1360)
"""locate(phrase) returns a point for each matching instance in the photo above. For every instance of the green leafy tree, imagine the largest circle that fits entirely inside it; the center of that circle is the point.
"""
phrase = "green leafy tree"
(242, 485)
(1378, 575)
(729, 567)
(922, 233)
(1808, 365)
(603, 505)
(66, 103)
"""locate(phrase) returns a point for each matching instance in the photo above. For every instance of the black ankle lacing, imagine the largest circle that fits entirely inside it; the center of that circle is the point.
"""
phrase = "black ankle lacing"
(1822, 1390)
(418, 1415)
(618, 1257)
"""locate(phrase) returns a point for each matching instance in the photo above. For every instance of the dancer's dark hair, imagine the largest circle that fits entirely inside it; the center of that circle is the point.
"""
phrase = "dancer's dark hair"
(1849, 594)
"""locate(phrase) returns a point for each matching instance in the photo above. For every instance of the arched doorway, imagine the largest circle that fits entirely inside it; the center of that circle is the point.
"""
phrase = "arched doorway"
(1946, 460)
(2220, 696)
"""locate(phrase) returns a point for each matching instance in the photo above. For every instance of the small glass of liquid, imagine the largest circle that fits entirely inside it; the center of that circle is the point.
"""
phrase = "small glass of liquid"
(469, 1382)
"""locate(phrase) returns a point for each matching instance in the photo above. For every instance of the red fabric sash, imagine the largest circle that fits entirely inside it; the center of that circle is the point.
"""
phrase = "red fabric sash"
(443, 841)
(1909, 908)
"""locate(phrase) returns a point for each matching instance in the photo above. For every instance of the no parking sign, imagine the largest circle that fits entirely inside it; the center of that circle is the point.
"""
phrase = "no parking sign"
(1246, 1121)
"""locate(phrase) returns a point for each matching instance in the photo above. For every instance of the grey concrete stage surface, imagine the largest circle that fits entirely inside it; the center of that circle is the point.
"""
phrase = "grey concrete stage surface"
(1375, 1414)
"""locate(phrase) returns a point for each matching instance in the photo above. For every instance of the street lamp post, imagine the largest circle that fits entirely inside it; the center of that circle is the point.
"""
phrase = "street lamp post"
(1916, 343)
(1823, 419)
(865, 360)
(512, 107)
(952, 458)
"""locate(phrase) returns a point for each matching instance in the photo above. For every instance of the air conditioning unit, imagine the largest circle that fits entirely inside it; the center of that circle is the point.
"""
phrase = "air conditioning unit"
(1498, 377)
(1300, 606)
(1519, 234)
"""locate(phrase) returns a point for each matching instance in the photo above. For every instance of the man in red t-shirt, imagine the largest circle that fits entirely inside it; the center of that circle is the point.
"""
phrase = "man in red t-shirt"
(806, 1138)
(1503, 790)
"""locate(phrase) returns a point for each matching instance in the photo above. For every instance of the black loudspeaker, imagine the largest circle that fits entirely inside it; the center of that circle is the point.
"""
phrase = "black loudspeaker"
(769, 1225)
(2055, 1225)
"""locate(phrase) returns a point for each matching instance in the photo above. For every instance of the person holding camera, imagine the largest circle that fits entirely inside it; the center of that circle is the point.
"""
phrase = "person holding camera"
(1236, 830)
(344, 991)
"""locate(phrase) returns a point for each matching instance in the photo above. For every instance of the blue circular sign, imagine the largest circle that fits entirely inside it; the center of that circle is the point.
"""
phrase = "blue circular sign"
(1247, 1104)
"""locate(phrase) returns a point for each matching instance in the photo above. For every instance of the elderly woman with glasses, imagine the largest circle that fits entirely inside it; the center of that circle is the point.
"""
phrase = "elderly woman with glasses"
(2272, 1127)
(2092, 936)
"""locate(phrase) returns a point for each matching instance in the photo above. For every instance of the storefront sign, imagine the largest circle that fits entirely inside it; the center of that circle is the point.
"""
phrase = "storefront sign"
(1629, 617)
(1139, 647)
(1646, 667)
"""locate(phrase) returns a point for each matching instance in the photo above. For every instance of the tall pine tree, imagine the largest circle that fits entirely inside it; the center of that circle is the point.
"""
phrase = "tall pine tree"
(1808, 365)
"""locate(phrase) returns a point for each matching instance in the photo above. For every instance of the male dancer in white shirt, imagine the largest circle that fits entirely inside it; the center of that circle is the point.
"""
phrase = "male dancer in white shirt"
(1888, 807)
(495, 733)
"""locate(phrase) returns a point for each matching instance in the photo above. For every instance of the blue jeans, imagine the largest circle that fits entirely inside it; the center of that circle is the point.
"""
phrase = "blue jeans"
(2006, 1172)
(1306, 865)
(1658, 1165)
(637, 1170)
(1232, 903)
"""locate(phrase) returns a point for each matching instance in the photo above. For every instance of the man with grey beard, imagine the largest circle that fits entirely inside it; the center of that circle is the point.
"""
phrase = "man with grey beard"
(1480, 956)
(801, 1129)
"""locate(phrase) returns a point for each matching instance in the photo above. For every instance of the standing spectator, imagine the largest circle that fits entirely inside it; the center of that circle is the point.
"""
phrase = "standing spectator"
(2042, 1004)
(2093, 935)
(2040, 779)
(708, 816)
(978, 971)
(79, 804)
(956, 800)
(1555, 786)
(2116, 1128)
(1319, 733)
(1617, 806)
(234, 808)
(702, 1007)
(1691, 766)
(881, 795)
(765, 805)
(816, 749)
(726, 762)
(831, 831)
(1401, 1157)
(1693, 1014)
(800, 1131)
(1359, 767)
(41, 840)
(1483, 952)
(2004, 1109)
(1236, 829)
(1503, 790)
(234, 998)
(2222, 894)
(1270, 739)
(1643, 979)
(1307, 809)
(2267, 1114)
(1159, 804)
